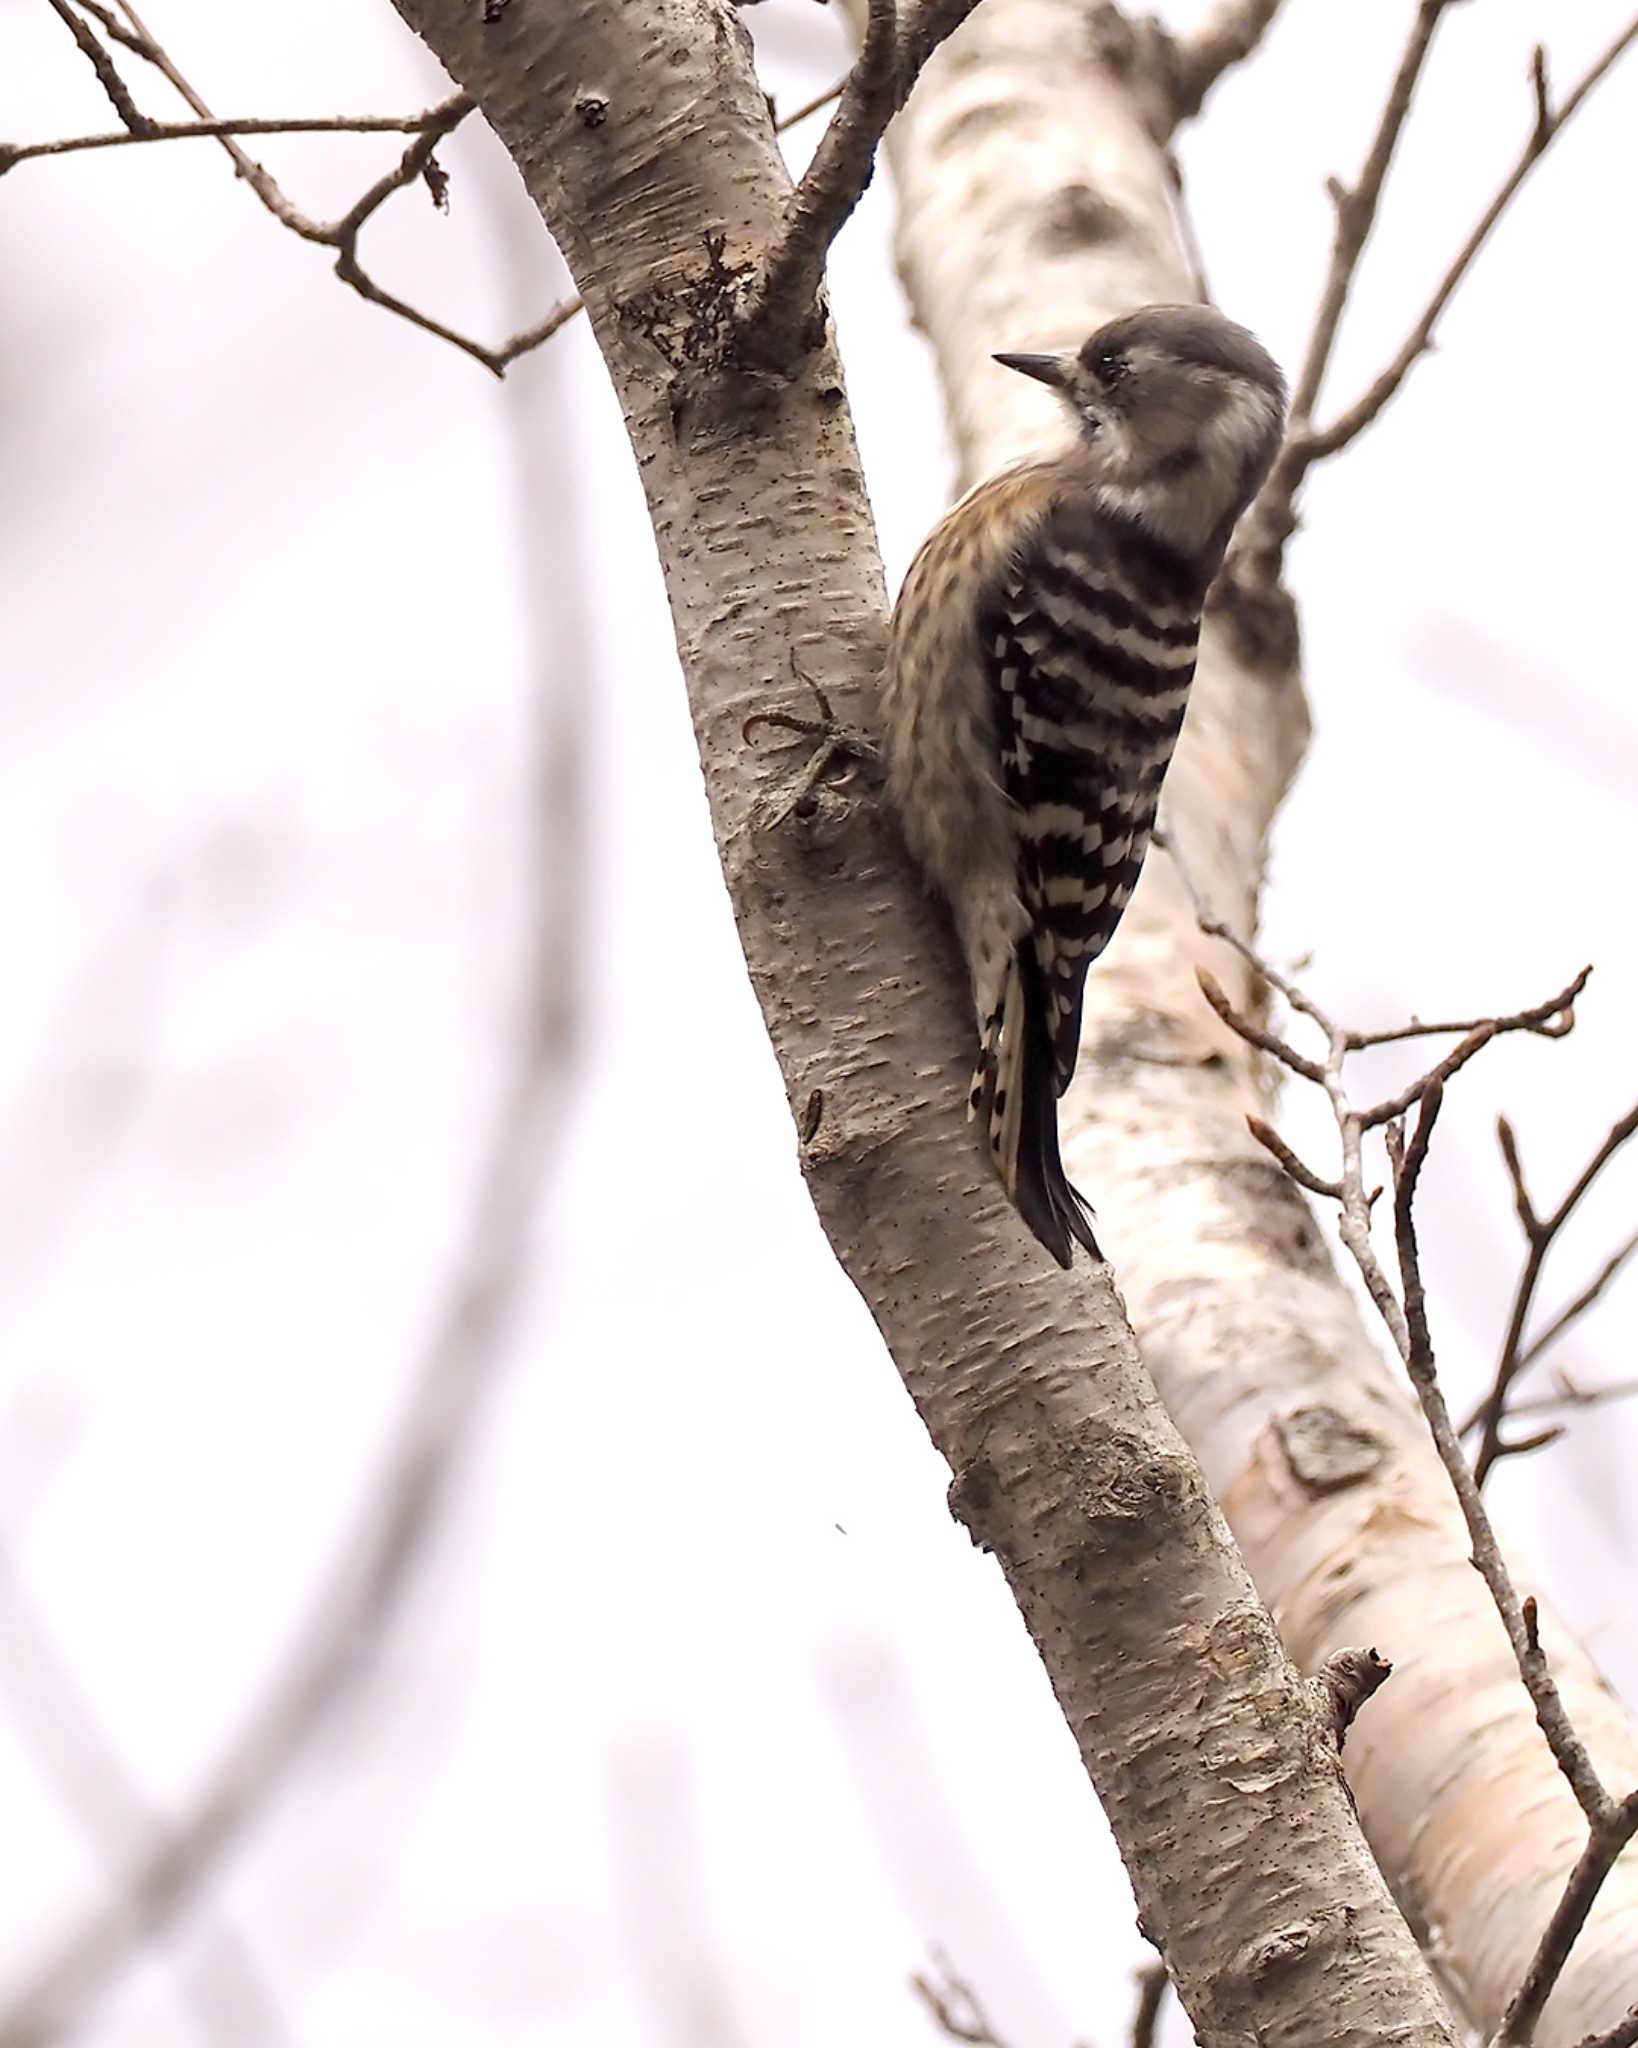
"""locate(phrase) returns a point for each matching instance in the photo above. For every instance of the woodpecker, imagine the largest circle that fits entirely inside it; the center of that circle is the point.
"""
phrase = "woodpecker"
(1037, 676)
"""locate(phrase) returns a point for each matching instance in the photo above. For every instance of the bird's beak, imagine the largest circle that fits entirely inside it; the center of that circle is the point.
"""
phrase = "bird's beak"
(1044, 369)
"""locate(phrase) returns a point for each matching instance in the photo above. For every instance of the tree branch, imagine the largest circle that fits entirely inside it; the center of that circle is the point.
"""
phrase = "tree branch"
(1624, 2035)
(13, 153)
(1153, 1984)
(783, 319)
(1348, 425)
(102, 64)
(1606, 1839)
(1540, 1233)
(1554, 1018)
(953, 2005)
(341, 235)
(1228, 38)
(1273, 519)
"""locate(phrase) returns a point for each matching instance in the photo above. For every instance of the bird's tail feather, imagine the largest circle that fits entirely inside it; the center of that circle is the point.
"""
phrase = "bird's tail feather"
(1017, 1075)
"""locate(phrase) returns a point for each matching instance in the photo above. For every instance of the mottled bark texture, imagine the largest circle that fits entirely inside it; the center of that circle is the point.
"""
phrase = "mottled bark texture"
(1034, 205)
(640, 131)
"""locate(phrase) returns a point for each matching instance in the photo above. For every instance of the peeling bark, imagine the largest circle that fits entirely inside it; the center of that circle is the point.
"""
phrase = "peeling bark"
(1219, 1779)
(1035, 204)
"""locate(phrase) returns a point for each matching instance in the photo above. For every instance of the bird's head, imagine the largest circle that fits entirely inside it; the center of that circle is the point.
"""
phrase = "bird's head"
(1179, 415)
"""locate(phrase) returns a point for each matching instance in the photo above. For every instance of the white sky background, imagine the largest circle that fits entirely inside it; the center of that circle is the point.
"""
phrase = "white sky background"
(706, 1722)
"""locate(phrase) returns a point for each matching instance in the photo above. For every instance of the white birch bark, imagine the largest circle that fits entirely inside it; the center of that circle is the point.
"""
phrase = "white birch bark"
(640, 131)
(1034, 203)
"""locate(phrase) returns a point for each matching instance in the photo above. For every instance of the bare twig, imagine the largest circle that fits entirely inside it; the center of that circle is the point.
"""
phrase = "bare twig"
(1583, 1301)
(1554, 1018)
(119, 93)
(1540, 1233)
(1567, 1395)
(1548, 125)
(342, 235)
(1271, 1141)
(1228, 38)
(1356, 211)
(954, 2004)
(429, 129)
(112, 25)
(1255, 1034)
(1273, 519)
(1153, 1983)
(220, 1976)
(784, 316)
(13, 153)
(783, 123)
(1605, 1841)
(1623, 2035)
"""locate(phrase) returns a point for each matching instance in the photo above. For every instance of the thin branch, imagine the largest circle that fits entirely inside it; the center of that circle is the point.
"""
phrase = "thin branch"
(1605, 1841)
(113, 26)
(1554, 1018)
(784, 316)
(1569, 1751)
(797, 115)
(220, 1976)
(1566, 1396)
(12, 153)
(1624, 2034)
(1356, 211)
(1153, 1983)
(954, 2005)
(1271, 1141)
(342, 235)
(1228, 38)
(1272, 519)
(1215, 928)
(1255, 1034)
(119, 93)
(1548, 126)
(1398, 1034)
(1540, 1234)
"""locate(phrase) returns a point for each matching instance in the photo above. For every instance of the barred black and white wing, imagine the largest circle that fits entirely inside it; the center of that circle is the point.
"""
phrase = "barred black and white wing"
(1089, 642)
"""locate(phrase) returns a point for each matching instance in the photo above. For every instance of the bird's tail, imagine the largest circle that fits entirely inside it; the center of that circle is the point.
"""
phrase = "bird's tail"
(1016, 1080)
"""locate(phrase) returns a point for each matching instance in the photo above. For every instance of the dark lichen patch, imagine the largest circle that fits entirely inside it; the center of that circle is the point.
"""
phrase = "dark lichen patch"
(1076, 218)
(692, 322)
(972, 123)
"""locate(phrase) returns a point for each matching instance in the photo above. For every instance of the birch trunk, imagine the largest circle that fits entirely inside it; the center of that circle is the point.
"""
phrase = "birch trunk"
(1034, 203)
(641, 133)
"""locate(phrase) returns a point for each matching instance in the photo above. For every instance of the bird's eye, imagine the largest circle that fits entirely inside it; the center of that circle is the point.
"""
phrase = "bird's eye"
(1112, 368)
